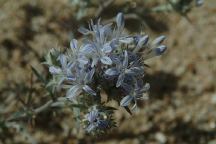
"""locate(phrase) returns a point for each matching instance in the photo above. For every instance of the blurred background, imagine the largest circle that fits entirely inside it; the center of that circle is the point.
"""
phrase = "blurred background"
(182, 104)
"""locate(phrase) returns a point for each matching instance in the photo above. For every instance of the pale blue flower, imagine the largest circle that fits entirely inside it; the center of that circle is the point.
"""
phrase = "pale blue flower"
(124, 69)
(98, 49)
(98, 53)
(80, 84)
(74, 54)
(135, 94)
(64, 71)
(95, 122)
(155, 48)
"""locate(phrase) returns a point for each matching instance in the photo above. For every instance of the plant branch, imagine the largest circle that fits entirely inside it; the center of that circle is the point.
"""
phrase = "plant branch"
(38, 110)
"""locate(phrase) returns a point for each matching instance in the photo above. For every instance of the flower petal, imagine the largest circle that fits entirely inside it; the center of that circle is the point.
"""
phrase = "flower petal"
(102, 124)
(160, 49)
(158, 40)
(106, 60)
(112, 72)
(135, 71)
(155, 52)
(120, 20)
(74, 44)
(120, 80)
(54, 70)
(126, 100)
(107, 48)
(89, 75)
(83, 60)
(125, 62)
(63, 60)
(71, 78)
(87, 48)
(73, 92)
(87, 89)
(92, 115)
(143, 40)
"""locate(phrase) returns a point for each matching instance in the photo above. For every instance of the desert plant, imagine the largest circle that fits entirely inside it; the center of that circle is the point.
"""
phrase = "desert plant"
(108, 60)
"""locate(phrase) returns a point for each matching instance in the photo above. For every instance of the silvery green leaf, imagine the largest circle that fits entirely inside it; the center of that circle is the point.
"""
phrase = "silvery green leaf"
(120, 80)
(54, 70)
(73, 92)
(126, 100)
(60, 81)
(18, 114)
(158, 40)
(120, 20)
(87, 89)
(106, 60)
(74, 44)
(112, 72)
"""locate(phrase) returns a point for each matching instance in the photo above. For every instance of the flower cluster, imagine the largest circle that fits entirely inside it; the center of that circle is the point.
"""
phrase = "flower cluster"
(108, 61)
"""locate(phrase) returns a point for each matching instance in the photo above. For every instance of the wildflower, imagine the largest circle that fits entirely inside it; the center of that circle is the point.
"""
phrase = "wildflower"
(95, 121)
(64, 71)
(98, 49)
(123, 69)
(98, 52)
(74, 54)
(105, 51)
(155, 48)
(120, 26)
(82, 78)
(135, 94)
(141, 42)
